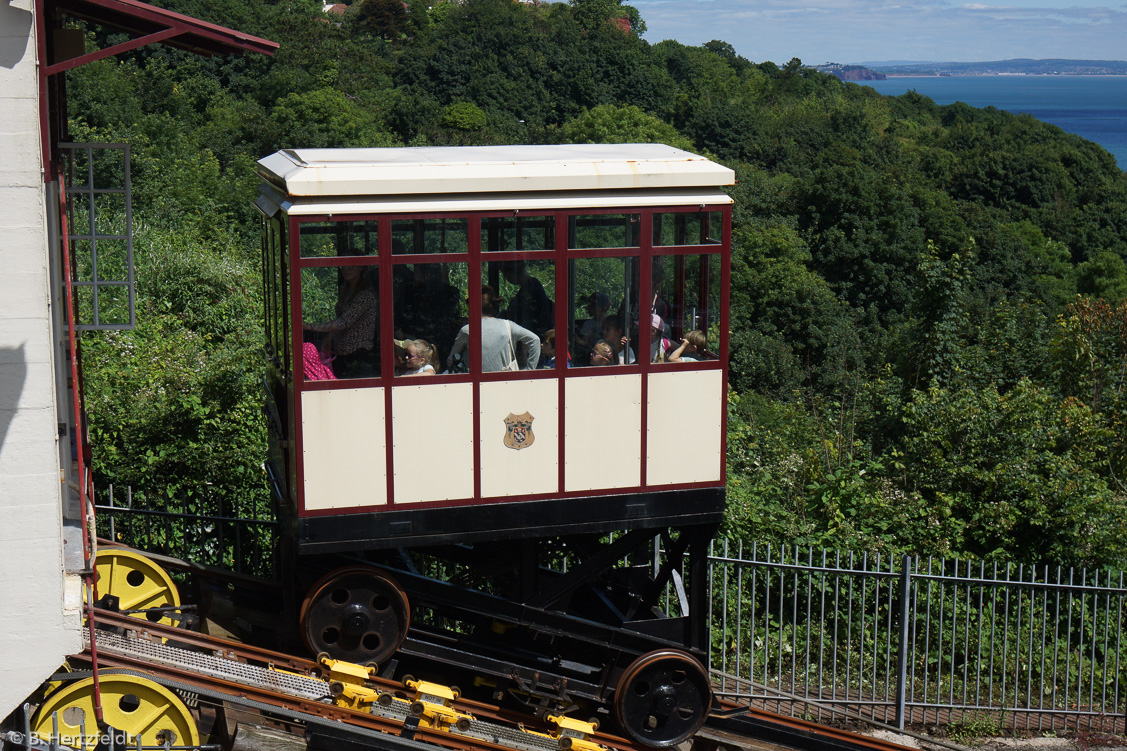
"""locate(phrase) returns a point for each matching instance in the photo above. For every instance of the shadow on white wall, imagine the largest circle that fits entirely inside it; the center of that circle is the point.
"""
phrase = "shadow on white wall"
(15, 33)
(13, 374)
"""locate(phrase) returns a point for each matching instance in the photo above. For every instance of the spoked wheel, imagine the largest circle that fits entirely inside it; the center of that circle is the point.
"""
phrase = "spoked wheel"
(356, 614)
(135, 708)
(663, 698)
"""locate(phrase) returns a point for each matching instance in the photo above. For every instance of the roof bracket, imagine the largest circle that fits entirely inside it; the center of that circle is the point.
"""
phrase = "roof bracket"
(117, 49)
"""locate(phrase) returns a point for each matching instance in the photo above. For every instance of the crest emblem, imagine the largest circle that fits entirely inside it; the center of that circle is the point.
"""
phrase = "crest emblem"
(518, 431)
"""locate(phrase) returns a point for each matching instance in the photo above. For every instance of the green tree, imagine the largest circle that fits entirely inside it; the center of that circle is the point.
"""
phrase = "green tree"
(386, 19)
(326, 118)
(463, 116)
(609, 123)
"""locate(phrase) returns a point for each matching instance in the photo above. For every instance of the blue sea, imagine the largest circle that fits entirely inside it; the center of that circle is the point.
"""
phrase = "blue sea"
(1094, 107)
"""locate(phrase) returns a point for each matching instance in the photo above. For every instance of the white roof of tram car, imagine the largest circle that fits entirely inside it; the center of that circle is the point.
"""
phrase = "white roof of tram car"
(468, 178)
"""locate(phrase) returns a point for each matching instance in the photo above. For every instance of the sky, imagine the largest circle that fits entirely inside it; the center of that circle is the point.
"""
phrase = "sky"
(855, 31)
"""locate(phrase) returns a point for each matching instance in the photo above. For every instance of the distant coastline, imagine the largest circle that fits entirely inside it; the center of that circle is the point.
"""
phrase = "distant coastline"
(1091, 106)
(1017, 67)
(971, 75)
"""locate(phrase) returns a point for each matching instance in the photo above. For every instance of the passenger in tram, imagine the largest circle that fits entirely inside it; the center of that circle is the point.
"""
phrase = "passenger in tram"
(603, 354)
(351, 336)
(419, 358)
(427, 304)
(548, 351)
(505, 345)
(659, 305)
(530, 307)
(598, 305)
(614, 334)
(691, 349)
(659, 345)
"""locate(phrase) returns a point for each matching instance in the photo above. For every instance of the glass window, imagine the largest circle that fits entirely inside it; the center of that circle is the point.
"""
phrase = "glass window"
(603, 231)
(602, 307)
(418, 236)
(340, 322)
(527, 290)
(430, 308)
(523, 293)
(336, 239)
(686, 297)
(518, 233)
(682, 228)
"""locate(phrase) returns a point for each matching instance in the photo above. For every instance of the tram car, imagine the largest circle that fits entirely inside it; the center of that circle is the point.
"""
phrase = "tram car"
(496, 395)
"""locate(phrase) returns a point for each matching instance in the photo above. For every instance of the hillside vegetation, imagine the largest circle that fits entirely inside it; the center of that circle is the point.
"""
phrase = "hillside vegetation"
(929, 325)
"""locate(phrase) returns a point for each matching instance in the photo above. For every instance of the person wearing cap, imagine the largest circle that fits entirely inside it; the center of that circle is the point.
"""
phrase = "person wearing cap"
(658, 343)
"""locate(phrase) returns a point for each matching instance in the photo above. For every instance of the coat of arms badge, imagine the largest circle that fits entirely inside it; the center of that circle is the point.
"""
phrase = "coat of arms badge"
(518, 431)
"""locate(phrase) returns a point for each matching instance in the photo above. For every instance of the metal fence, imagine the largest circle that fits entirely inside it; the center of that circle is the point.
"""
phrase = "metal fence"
(213, 525)
(903, 640)
(910, 640)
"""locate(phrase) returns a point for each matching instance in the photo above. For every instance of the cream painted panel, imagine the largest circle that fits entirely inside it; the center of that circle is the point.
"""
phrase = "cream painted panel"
(683, 437)
(343, 445)
(603, 432)
(432, 426)
(534, 469)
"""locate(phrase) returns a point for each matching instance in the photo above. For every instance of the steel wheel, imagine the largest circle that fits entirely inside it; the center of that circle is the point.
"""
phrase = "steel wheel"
(663, 698)
(131, 705)
(357, 614)
(136, 582)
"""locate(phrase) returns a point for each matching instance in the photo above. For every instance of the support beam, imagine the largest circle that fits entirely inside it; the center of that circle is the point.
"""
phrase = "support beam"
(117, 49)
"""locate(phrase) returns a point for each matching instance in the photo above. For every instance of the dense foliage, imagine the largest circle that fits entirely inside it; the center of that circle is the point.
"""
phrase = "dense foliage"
(929, 325)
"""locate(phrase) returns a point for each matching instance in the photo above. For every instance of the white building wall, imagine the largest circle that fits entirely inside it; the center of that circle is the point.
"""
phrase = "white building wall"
(39, 614)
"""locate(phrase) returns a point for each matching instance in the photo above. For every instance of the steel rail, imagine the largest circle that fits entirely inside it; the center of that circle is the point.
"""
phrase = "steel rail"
(112, 654)
(806, 734)
(750, 722)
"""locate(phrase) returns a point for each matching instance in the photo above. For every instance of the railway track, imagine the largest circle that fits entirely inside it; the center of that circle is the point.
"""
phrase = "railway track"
(299, 695)
(289, 686)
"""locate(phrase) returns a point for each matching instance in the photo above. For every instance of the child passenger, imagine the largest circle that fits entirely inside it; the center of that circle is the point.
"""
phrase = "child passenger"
(658, 343)
(548, 350)
(420, 358)
(691, 349)
(602, 354)
(614, 334)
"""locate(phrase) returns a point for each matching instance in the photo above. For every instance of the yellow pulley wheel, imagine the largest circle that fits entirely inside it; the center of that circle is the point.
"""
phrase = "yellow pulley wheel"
(136, 582)
(132, 706)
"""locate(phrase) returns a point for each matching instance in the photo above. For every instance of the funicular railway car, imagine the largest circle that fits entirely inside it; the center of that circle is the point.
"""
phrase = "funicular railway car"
(497, 383)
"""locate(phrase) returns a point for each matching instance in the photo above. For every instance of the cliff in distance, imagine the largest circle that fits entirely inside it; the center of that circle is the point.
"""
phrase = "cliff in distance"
(850, 72)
